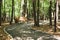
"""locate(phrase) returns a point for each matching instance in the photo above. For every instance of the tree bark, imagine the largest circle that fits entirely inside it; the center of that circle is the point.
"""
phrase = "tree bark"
(24, 8)
(34, 12)
(4, 15)
(12, 12)
(0, 11)
(50, 15)
(27, 15)
(38, 14)
(57, 11)
(55, 20)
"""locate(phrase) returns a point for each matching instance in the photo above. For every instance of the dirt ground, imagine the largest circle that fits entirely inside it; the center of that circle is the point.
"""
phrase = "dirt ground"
(43, 28)
(3, 34)
(48, 29)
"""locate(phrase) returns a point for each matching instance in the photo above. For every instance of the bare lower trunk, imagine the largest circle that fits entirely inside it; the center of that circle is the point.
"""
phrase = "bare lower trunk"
(50, 15)
(38, 14)
(34, 12)
(0, 11)
(57, 11)
(55, 20)
(24, 8)
(12, 12)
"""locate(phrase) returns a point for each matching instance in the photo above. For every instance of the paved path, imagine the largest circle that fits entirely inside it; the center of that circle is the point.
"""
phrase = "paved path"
(24, 31)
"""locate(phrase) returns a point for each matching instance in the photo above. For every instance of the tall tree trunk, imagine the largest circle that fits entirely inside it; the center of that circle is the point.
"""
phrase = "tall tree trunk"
(34, 12)
(9, 15)
(38, 14)
(55, 20)
(57, 11)
(25, 8)
(50, 15)
(27, 15)
(29, 10)
(4, 15)
(0, 11)
(12, 12)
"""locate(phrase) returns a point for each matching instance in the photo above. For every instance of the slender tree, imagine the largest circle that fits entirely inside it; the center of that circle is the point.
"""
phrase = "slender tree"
(24, 8)
(28, 10)
(4, 15)
(27, 15)
(0, 11)
(50, 11)
(34, 12)
(12, 12)
(55, 21)
(38, 13)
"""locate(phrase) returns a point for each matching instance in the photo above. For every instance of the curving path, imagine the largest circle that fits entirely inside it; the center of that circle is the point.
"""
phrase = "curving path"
(24, 31)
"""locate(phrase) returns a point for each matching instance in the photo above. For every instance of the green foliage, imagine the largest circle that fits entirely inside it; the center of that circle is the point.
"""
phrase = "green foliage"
(44, 6)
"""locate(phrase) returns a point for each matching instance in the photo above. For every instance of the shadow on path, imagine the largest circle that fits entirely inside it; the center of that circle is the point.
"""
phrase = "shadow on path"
(23, 31)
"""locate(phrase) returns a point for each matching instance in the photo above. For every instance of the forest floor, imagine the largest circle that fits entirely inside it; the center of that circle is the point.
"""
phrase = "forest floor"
(3, 35)
(43, 28)
(47, 29)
